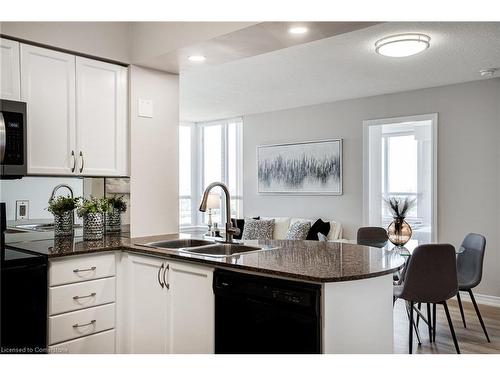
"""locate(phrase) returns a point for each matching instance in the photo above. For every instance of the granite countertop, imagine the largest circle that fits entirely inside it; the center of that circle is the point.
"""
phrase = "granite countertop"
(304, 260)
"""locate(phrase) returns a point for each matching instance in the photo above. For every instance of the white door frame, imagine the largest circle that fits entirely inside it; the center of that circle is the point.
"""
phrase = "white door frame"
(433, 118)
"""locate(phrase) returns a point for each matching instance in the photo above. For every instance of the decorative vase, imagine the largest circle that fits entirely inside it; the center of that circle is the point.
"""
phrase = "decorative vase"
(93, 226)
(399, 231)
(63, 224)
(113, 221)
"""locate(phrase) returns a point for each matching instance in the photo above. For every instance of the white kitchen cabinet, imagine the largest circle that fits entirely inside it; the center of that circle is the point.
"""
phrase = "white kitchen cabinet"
(177, 317)
(77, 114)
(146, 306)
(10, 78)
(101, 118)
(190, 308)
(48, 87)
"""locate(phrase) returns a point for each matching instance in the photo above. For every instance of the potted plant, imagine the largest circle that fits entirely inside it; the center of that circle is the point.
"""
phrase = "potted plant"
(399, 231)
(116, 205)
(63, 210)
(92, 211)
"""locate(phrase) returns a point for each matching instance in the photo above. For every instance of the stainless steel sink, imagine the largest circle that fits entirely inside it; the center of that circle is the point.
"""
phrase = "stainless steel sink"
(47, 227)
(207, 248)
(222, 250)
(178, 244)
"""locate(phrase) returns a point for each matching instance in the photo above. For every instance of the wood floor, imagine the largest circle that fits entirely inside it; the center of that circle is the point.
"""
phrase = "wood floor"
(471, 339)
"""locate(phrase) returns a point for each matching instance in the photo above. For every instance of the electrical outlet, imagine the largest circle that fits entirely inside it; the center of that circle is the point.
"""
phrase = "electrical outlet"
(22, 210)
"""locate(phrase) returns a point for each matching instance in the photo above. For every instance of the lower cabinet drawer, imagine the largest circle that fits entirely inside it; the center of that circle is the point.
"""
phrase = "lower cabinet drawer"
(79, 296)
(81, 268)
(100, 343)
(81, 323)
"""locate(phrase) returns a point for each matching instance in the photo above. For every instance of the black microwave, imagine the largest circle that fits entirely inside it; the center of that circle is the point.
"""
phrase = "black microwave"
(12, 139)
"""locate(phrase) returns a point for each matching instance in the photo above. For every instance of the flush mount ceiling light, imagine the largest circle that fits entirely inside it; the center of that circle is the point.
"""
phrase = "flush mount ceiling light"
(488, 73)
(402, 45)
(197, 58)
(298, 30)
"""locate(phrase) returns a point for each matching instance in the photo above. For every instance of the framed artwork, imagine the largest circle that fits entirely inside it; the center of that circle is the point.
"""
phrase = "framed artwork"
(303, 168)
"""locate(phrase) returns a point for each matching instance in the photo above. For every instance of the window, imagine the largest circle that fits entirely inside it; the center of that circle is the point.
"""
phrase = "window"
(209, 152)
(400, 160)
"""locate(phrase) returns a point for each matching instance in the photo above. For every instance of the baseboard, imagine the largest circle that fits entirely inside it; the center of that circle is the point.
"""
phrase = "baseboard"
(482, 299)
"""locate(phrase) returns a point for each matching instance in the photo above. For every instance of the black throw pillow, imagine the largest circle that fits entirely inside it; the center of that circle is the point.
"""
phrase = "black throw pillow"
(318, 227)
(240, 224)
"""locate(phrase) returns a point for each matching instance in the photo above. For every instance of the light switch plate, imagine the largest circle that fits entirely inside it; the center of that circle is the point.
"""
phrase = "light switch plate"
(145, 108)
(22, 210)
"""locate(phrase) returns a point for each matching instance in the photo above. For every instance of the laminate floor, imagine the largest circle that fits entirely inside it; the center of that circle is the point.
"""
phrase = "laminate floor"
(471, 339)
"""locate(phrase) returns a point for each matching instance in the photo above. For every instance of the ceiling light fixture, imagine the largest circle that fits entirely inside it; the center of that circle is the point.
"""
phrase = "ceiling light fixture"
(197, 58)
(402, 45)
(298, 30)
(487, 73)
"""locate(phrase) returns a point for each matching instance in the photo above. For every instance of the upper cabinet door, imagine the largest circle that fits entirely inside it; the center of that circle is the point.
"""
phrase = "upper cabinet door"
(48, 87)
(101, 118)
(10, 79)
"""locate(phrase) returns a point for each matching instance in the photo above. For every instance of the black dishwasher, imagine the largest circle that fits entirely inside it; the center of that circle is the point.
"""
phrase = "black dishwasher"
(263, 315)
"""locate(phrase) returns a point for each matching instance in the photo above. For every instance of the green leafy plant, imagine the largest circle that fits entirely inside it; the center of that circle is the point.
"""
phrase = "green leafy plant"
(92, 206)
(62, 204)
(399, 207)
(117, 203)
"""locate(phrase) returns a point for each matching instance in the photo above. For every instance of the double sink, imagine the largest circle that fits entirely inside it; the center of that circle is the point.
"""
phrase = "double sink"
(207, 248)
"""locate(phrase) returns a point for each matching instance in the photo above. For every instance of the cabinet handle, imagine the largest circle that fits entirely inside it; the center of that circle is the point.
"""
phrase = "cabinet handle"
(85, 269)
(167, 269)
(74, 161)
(87, 296)
(84, 325)
(83, 161)
(158, 276)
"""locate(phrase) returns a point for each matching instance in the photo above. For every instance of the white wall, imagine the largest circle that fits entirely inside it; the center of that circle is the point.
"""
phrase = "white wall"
(102, 39)
(468, 160)
(37, 191)
(154, 187)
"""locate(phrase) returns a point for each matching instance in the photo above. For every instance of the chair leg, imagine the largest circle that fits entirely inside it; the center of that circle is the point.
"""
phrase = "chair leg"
(461, 308)
(450, 324)
(410, 330)
(417, 332)
(434, 325)
(419, 306)
(429, 320)
(478, 314)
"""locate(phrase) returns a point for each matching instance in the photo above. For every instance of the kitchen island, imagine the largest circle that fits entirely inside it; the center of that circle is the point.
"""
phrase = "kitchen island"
(356, 281)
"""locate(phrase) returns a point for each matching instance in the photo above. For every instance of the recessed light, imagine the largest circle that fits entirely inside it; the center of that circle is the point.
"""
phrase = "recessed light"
(197, 58)
(402, 45)
(298, 30)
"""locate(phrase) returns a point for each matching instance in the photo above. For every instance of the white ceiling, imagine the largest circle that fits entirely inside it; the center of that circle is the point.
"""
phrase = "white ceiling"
(341, 67)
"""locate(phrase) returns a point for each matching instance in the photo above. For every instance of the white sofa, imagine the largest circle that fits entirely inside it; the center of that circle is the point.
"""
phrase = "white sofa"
(281, 225)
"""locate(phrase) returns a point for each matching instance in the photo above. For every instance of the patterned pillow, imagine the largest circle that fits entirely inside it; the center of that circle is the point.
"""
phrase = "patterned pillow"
(258, 229)
(298, 230)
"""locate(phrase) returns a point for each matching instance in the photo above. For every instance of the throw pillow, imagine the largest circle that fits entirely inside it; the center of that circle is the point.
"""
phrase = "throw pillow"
(258, 229)
(240, 224)
(318, 227)
(298, 230)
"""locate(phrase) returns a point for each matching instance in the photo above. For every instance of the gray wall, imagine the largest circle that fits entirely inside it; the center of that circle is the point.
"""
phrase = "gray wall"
(154, 161)
(468, 160)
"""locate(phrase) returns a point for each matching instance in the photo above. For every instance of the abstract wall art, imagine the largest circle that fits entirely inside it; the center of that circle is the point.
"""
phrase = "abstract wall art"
(301, 168)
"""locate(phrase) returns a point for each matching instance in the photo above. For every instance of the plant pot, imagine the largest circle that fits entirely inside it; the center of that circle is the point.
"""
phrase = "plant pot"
(63, 224)
(399, 231)
(113, 221)
(93, 226)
